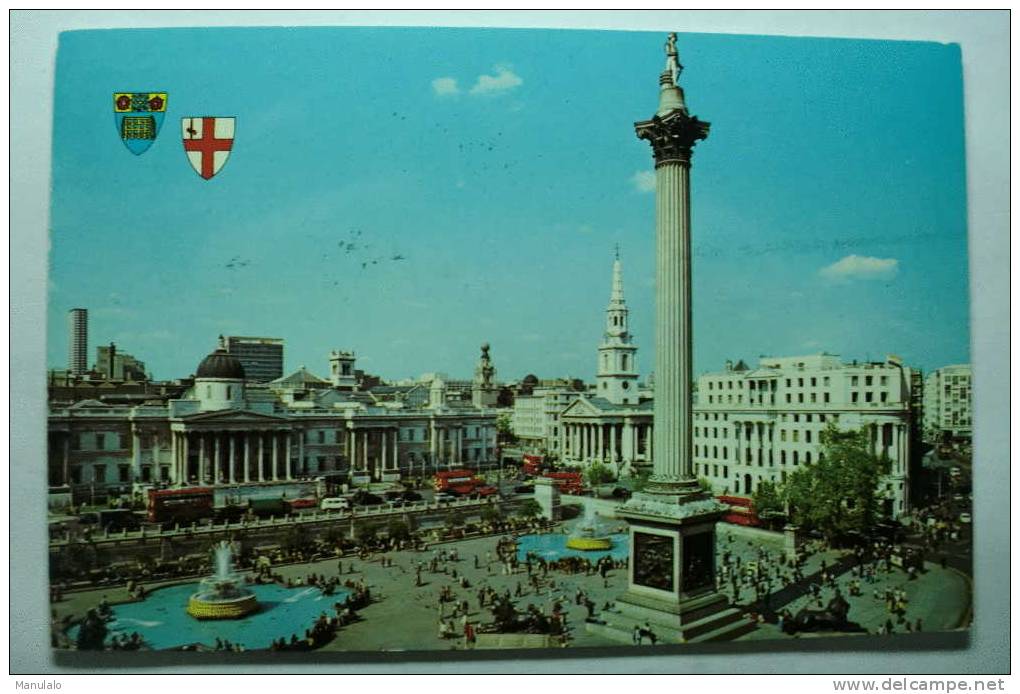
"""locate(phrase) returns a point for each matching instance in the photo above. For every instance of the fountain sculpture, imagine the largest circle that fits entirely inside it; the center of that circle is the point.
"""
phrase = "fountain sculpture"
(222, 595)
(586, 535)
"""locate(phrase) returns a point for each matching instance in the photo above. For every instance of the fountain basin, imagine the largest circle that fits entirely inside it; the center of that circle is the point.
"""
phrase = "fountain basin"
(589, 544)
(211, 606)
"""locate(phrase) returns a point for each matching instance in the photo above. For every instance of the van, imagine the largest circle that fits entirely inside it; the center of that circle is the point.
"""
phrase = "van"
(335, 504)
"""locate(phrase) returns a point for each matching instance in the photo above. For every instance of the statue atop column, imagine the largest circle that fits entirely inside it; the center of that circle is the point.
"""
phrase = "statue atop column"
(673, 65)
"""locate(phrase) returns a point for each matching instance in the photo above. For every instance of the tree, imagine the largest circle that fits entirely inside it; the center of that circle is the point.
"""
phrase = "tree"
(491, 514)
(529, 509)
(597, 474)
(398, 530)
(705, 485)
(639, 481)
(839, 493)
(455, 520)
(505, 429)
(769, 500)
(365, 533)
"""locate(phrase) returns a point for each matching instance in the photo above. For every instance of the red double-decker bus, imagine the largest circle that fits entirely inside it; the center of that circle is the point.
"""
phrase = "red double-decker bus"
(532, 465)
(180, 505)
(567, 482)
(461, 482)
(741, 511)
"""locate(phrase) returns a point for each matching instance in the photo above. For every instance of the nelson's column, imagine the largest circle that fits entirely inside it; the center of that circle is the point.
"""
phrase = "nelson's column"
(671, 582)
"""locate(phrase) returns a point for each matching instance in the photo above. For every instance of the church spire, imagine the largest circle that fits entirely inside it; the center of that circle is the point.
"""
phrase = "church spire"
(617, 370)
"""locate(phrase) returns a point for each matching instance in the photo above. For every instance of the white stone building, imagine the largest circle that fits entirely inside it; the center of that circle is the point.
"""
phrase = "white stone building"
(762, 424)
(947, 403)
(536, 418)
(225, 432)
(613, 425)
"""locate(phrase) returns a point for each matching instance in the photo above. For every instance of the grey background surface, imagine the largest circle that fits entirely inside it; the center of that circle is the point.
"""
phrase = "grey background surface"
(984, 39)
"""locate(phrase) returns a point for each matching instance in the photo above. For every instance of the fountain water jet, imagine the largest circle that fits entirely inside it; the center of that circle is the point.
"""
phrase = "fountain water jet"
(221, 596)
(586, 535)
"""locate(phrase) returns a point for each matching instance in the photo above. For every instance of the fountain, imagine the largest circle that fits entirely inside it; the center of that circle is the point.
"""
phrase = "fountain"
(586, 535)
(221, 596)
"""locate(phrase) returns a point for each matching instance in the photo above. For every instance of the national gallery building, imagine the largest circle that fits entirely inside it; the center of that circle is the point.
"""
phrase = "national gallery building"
(227, 431)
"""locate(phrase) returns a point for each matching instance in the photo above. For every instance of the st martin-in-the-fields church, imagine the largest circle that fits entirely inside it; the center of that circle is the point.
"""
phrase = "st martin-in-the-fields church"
(613, 425)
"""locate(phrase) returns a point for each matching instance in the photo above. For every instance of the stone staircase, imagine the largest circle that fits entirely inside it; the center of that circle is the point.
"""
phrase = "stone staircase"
(701, 620)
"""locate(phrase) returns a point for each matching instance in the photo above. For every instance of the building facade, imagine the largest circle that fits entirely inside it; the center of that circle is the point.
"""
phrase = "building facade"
(536, 418)
(760, 425)
(224, 431)
(118, 366)
(947, 404)
(262, 357)
(613, 425)
(78, 341)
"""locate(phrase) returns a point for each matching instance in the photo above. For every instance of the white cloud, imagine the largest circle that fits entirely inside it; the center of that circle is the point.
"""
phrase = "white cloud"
(861, 267)
(502, 79)
(644, 181)
(445, 86)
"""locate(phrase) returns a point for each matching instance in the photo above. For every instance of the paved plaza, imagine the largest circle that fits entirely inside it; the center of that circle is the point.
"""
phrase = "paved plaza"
(404, 616)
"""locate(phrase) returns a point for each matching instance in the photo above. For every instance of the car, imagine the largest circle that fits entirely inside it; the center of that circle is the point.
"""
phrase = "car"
(965, 518)
(524, 489)
(445, 497)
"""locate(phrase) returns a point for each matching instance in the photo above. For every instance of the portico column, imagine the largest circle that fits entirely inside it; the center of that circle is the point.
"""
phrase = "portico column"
(201, 458)
(187, 471)
(158, 472)
(217, 458)
(276, 455)
(301, 452)
(174, 461)
(287, 462)
(247, 459)
(262, 458)
(364, 451)
(136, 453)
(396, 456)
(385, 449)
(612, 443)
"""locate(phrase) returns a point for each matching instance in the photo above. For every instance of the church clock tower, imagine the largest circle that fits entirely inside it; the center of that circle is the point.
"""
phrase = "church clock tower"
(617, 368)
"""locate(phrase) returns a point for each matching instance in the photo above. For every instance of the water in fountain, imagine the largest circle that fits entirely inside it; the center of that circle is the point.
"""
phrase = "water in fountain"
(586, 535)
(222, 595)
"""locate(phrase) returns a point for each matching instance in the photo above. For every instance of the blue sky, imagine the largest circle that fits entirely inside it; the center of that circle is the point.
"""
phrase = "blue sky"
(501, 167)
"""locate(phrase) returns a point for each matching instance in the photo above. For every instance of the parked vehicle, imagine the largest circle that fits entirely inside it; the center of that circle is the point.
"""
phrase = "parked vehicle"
(335, 503)
(303, 502)
(114, 520)
(462, 483)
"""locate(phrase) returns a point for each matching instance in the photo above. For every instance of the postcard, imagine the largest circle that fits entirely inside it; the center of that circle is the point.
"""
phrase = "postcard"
(370, 340)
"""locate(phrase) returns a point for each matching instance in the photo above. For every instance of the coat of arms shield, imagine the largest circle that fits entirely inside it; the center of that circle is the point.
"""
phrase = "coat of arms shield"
(208, 141)
(138, 116)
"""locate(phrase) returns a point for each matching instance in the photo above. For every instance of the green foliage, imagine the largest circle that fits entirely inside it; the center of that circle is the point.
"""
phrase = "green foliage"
(297, 538)
(639, 481)
(705, 485)
(529, 509)
(505, 428)
(597, 474)
(398, 530)
(769, 499)
(455, 520)
(491, 514)
(839, 493)
(365, 533)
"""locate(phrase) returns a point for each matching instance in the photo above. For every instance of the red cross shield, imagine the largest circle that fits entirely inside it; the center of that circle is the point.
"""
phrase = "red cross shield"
(207, 142)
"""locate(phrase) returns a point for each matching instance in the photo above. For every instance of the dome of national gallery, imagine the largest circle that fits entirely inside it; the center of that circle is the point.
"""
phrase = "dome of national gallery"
(220, 364)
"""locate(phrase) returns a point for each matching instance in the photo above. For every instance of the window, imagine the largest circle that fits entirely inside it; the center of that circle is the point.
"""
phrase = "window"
(796, 418)
(867, 380)
(868, 396)
(322, 434)
(800, 397)
(807, 436)
(853, 380)
(99, 473)
(796, 435)
(124, 473)
(208, 392)
(787, 381)
(821, 417)
(75, 442)
(807, 419)
(230, 391)
(782, 457)
(624, 364)
(146, 473)
(884, 380)
(800, 382)
(787, 397)
(100, 442)
(826, 398)
(807, 458)
(853, 396)
(883, 396)
(813, 398)
(825, 380)
(782, 432)
(795, 458)
(814, 382)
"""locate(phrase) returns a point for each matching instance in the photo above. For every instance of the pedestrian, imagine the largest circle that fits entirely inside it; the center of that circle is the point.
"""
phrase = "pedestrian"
(636, 636)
